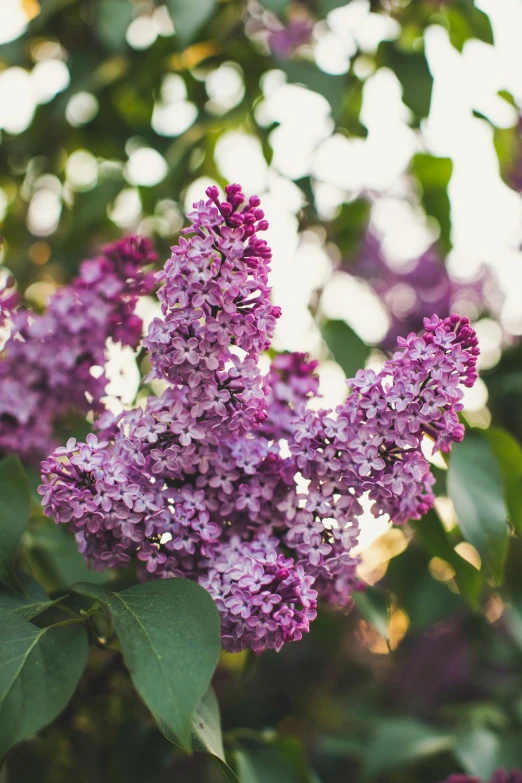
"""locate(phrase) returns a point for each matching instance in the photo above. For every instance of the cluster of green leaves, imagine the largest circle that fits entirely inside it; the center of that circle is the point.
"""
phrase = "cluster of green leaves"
(127, 84)
(167, 631)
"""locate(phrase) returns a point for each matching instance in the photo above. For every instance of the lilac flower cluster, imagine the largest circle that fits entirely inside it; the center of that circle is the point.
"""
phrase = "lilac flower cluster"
(45, 367)
(499, 776)
(218, 318)
(423, 286)
(283, 40)
(207, 481)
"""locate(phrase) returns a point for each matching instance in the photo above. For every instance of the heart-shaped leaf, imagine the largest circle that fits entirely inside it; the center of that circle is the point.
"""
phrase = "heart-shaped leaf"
(169, 635)
(475, 486)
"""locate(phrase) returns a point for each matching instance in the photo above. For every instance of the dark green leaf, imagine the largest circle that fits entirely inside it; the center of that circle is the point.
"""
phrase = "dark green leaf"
(326, 6)
(206, 732)
(374, 605)
(508, 452)
(207, 726)
(189, 17)
(292, 751)
(431, 533)
(278, 7)
(411, 69)
(476, 489)
(346, 346)
(434, 175)
(112, 20)
(348, 226)
(464, 21)
(54, 558)
(401, 741)
(480, 25)
(425, 600)
(39, 671)
(477, 750)
(32, 602)
(263, 765)
(245, 768)
(169, 635)
(15, 507)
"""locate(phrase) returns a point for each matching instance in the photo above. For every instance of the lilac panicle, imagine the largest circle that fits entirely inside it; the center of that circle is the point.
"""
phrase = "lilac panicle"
(45, 367)
(207, 480)
(217, 316)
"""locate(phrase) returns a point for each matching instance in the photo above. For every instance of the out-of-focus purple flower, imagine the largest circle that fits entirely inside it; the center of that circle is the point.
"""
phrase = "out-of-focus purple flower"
(204, 481)
(499, 776)
(421, 287)
(285, 41)
(282, 39)
(45, 369)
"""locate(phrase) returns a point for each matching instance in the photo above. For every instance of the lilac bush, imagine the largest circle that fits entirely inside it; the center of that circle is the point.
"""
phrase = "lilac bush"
(207, 480)
(45, 369)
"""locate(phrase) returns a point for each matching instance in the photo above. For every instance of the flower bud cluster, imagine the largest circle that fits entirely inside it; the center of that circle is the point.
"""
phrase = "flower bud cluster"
(45, 367)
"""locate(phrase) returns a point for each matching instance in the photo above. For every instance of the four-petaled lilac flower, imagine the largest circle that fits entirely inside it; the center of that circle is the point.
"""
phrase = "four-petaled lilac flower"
(206, 480)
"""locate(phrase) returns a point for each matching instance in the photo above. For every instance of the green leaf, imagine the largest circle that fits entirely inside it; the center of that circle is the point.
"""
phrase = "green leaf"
(480, 24)
(206, 726)
(348, 227)
(39, 671)
(263, 765)
(374, 605)
(401, 741)
(325, 6)
(169, 635)
(434, 175)
(33, 602)
(477, 750)
(189, 17)
(206, 732)
(508, 452)
(411, 69)
(278, 7)
(346, 346)
(54, 558)
(15, 507)
(431, 533)
(245, 768)
(476, 489)
(112, 20)
(513, 619)
(292, 751)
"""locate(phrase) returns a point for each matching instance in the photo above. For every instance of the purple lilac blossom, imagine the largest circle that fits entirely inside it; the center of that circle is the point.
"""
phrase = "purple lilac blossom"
(203, 481)
(423, 286)
(285, 41)
(282, 40)
(500, 776)
(45, 367)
